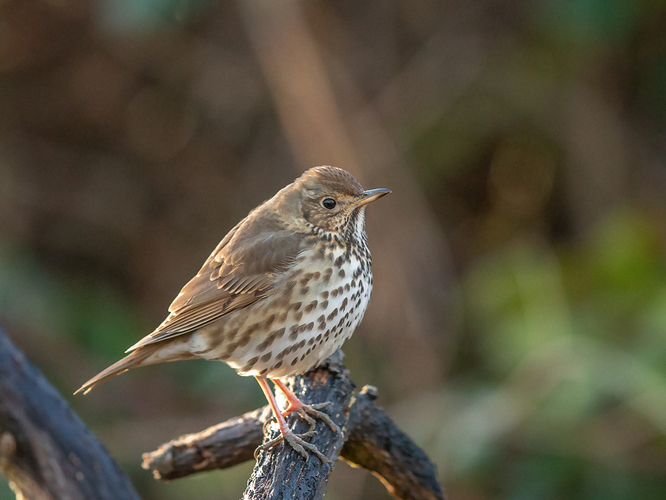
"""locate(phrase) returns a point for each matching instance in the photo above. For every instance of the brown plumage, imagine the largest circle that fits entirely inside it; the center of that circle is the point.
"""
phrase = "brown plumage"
(280, 292)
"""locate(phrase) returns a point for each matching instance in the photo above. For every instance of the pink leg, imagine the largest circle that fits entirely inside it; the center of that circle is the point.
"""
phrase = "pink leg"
(296, 405)
(294, 440)
(263, 382)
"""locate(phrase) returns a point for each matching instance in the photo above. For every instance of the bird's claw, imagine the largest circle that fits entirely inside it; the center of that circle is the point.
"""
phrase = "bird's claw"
(297, 442)
(300, 446)
(306, 410)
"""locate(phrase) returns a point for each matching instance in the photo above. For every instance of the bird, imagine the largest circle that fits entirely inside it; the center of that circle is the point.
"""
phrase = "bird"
(280, 293)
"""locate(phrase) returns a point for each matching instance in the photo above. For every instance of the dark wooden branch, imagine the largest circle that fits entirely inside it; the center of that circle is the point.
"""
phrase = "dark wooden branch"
(46, 451)
(377, 444)
(371, 441)
(218, 447)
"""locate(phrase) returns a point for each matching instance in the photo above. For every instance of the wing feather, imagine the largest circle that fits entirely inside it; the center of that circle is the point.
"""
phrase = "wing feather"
(242, 269)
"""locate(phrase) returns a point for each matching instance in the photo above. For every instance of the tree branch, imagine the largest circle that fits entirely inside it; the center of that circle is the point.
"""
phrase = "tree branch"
(46, 451)
(371, 440)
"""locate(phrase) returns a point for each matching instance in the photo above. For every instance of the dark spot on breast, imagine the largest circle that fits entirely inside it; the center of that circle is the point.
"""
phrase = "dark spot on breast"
(310, 307)
(264, 345)
(294, 332)
(296, 306)
(224, 357)
(263, 372)
(250, 364)
(277, 365)
(305, 279)
(266, 357)
(347, 288)
(290, 285)
(324, 295)
(298, 316)
(245, 339)
(269, 321)
(334, 293)
(344, 304)
(294, 361)
(311, 341)
(324, 304)
(309, 326)
(318, 338)
(339, 261)
(305, 290)
(232, 334)
(316, 275)
(332, 315)
(353, 283)
(341, 273)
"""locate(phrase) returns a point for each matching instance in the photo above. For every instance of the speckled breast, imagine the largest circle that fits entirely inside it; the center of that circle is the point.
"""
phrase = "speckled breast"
(313, 311)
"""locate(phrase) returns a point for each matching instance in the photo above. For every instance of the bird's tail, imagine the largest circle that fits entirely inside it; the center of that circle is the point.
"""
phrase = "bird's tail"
(137, 358)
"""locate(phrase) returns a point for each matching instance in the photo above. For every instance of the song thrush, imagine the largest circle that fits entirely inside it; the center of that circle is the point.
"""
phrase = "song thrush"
(280, 293)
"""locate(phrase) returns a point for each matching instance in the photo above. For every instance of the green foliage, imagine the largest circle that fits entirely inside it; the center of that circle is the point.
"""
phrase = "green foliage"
(572, 344)
(89, 313)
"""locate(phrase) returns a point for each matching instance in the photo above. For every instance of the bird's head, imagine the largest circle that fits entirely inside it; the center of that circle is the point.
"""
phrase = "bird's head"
(329, 199)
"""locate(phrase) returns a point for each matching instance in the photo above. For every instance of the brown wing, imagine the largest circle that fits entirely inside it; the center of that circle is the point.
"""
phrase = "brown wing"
(242, 269)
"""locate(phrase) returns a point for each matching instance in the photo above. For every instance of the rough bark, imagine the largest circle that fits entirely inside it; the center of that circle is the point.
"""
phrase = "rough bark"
(371, 440)
(46, 451)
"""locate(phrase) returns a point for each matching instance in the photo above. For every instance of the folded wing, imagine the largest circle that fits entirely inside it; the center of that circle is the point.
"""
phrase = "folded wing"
(243, 269)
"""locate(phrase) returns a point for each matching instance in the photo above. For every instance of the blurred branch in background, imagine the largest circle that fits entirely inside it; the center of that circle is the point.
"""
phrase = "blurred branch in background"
(319, 131)
(45, 449)
(520, 298)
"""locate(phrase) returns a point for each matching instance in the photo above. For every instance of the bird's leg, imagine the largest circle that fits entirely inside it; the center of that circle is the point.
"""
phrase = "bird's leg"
(294, 440)
(296, 405)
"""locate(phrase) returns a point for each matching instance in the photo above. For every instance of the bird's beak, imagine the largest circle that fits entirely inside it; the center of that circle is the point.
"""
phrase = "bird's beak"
(371, 195)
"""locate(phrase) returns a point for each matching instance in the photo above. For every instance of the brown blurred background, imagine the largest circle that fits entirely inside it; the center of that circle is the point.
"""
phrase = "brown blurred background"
(518, 326)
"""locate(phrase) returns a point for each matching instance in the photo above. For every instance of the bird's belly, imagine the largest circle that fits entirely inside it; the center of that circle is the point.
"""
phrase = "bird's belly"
(289, 333)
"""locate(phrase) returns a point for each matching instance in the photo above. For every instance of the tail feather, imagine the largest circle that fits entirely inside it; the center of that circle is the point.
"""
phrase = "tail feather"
(132, 360)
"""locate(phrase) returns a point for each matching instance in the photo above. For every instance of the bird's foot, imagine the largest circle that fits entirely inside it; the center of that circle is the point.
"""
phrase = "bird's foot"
(306, 412)
(297, 442)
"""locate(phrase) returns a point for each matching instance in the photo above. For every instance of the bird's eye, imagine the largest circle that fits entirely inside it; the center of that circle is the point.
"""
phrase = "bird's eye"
(328, 203)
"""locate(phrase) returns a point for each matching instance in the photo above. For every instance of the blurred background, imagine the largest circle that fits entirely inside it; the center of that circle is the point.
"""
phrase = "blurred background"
(518, 325)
